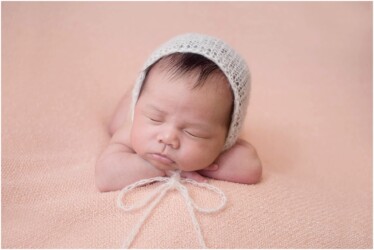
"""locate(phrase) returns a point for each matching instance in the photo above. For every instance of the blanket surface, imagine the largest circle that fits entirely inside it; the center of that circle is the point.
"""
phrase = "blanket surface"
(65, 66)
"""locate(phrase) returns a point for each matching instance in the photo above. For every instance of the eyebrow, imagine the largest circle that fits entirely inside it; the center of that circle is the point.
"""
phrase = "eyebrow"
(151, 106)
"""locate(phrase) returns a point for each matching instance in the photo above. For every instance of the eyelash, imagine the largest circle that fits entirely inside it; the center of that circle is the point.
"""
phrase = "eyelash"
(188, 133)
(191, 134)
(154, 120)
(195, 136)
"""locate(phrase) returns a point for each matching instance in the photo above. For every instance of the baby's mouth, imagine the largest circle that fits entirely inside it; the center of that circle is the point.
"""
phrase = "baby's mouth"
(162, 159)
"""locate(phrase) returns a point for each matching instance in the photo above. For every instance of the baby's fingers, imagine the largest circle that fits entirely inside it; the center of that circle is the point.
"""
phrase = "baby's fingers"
(194, 176)
(212, 167)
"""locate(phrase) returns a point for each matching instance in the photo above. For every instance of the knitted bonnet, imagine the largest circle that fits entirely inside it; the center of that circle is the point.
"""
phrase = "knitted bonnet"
(231, 64)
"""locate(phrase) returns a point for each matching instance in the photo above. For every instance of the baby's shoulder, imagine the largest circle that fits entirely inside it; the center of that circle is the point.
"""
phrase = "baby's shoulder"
(122, 136)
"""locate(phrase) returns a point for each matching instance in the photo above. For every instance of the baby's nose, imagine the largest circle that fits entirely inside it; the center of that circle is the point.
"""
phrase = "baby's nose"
(169, 137)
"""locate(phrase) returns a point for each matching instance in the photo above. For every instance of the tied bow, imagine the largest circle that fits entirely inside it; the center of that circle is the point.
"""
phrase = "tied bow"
(171, 183)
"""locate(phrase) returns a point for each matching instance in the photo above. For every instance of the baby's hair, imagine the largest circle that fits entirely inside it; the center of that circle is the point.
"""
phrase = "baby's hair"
(179, 64)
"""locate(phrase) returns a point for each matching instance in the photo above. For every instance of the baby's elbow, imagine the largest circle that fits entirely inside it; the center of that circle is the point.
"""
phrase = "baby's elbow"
(254, 174)
(101, 181)
(101, 186)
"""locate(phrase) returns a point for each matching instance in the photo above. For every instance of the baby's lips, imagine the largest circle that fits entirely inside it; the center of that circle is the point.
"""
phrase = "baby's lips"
(163, 159)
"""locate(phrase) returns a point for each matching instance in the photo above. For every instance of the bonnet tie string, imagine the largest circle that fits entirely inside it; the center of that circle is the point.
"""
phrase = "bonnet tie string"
(175, 182)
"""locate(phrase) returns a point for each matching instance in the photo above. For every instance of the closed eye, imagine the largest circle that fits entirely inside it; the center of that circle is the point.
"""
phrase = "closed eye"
(155, 120)
(195, 135)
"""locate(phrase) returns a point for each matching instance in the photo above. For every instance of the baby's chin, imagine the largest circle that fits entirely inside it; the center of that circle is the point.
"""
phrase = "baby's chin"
(175, 167)
(189, 169)
(166, 168)
(171, 166)
(162, 167)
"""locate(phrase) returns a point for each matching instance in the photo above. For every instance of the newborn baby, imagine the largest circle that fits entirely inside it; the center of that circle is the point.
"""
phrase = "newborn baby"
(186, 111)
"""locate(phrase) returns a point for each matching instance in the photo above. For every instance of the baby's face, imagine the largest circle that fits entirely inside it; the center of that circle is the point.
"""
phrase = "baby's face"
(177, 127)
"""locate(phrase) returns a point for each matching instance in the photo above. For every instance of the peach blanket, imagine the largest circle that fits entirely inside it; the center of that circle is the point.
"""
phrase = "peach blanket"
(66, 65)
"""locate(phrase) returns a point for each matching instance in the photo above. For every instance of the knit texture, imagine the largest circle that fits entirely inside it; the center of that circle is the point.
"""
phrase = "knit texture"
(229, 61)
(174, 182)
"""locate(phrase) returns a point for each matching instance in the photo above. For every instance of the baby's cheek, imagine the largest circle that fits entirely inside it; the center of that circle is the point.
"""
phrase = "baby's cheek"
(137, 139)
(195, 158)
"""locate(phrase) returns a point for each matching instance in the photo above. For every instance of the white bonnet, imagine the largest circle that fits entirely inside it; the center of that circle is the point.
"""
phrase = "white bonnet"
(231, 64)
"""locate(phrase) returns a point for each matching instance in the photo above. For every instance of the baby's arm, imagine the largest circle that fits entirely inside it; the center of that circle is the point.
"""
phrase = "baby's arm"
(119, 165)
(239, 164)
(122, 113)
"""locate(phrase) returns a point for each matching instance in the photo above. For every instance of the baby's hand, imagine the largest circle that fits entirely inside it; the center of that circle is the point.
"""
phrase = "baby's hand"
(194, 175)
(239, 164)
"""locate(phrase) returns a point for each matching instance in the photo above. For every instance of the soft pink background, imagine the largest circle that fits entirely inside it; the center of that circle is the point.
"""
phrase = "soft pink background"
(66, 65)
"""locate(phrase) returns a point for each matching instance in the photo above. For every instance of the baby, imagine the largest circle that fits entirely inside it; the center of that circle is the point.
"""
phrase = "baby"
(186, 112)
